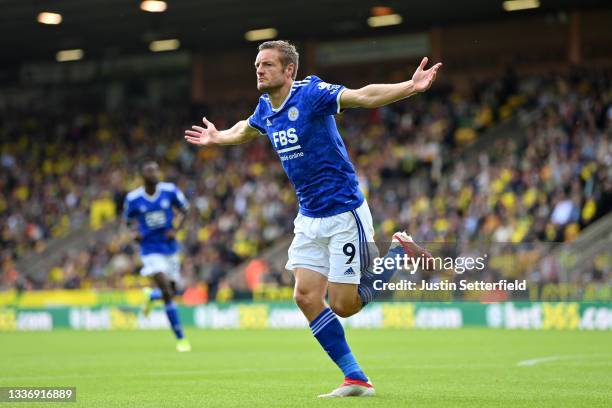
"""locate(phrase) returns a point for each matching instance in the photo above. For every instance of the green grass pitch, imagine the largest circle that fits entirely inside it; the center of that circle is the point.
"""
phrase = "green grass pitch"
(287, 368)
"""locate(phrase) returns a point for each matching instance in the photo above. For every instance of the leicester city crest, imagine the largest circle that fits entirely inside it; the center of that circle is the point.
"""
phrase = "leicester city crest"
(293, 113)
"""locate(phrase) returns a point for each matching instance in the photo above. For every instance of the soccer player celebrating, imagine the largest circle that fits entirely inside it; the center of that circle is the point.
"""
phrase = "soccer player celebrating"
(334, 223)
(153, 207)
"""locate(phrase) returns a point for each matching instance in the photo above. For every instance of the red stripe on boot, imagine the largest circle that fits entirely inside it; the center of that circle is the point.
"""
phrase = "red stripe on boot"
(350, 381)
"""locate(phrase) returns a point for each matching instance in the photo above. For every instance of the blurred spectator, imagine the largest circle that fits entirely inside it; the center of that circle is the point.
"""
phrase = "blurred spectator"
(64, 171)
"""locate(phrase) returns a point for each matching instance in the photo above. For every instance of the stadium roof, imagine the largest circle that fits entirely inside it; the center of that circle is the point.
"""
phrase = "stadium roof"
(118, 27)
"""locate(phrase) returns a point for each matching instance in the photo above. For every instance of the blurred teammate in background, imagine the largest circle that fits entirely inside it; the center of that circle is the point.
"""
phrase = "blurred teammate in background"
(332, 248)
(152, 205)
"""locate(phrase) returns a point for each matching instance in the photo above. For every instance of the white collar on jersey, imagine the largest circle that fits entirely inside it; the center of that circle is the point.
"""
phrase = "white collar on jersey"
(284, 102)
(153, 197)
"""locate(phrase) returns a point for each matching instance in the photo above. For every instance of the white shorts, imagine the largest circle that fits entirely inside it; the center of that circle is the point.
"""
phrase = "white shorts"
(338, 247)
(170, 265)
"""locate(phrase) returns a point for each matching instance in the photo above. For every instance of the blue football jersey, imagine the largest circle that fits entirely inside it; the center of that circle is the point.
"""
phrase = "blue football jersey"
(303, 132)
(155, 214)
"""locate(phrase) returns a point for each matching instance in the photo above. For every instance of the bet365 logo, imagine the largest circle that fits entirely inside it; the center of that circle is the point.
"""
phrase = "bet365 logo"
(284, 137)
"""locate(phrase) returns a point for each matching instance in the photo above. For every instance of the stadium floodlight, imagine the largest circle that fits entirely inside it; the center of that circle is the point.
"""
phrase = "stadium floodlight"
(515, 5)
(69, 55)
(153, 6)
(46, 17)
(261, 34)
(164, 45)
(386, 20)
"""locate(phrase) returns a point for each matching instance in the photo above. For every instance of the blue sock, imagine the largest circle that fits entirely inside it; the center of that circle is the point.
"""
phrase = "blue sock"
(156, 294)
(329, 332)
(366, 290)
(173, 318)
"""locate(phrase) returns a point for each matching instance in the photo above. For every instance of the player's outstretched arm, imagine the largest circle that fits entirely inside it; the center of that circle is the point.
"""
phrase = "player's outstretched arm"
(208, 135)
(375, 95)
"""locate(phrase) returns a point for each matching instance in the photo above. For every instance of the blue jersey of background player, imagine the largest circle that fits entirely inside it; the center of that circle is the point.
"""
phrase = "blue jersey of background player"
(152, 207)
(330, 251)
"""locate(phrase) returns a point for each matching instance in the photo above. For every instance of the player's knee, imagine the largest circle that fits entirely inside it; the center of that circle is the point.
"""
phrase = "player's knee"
(305, 300)
(342, 308)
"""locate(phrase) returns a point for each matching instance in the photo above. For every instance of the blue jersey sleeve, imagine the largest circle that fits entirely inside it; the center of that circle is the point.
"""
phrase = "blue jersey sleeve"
(255, 121)
(179, 201)
(323, 97)
(129, 211)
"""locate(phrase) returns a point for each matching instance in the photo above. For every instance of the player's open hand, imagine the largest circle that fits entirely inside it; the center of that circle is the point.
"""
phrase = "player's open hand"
(422, 79)
(203, 136)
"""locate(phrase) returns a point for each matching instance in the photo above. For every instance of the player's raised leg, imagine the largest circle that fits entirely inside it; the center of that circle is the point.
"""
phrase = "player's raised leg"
(344, 299)
(401, 244)
(352, 251)
(310, 288)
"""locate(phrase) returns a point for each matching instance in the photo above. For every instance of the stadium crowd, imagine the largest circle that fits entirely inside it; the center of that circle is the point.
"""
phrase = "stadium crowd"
(63, 172)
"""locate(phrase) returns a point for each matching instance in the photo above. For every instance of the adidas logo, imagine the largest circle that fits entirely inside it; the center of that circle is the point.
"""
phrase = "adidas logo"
(268, 123)
(349, 271)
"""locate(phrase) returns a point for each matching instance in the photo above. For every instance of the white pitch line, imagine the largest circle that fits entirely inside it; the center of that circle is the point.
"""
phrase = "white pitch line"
(535, 361)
